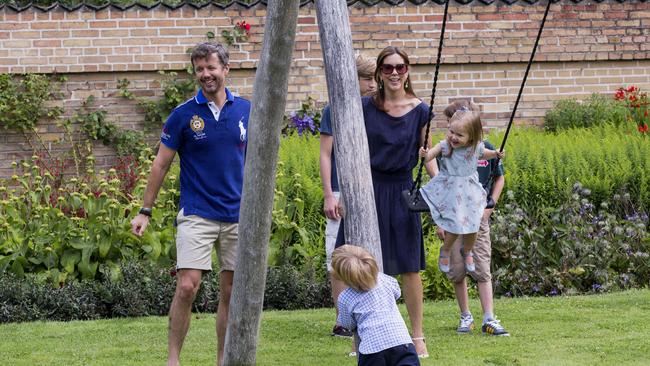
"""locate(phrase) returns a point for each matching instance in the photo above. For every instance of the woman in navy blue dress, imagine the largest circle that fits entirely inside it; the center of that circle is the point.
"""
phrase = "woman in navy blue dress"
(395, 121)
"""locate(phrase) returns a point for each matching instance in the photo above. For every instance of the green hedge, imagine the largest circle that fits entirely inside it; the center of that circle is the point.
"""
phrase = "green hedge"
(595, 111)
(142, 289)
(541, 168)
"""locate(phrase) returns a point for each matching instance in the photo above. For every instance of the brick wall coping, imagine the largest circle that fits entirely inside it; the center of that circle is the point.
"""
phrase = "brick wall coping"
(72, 5)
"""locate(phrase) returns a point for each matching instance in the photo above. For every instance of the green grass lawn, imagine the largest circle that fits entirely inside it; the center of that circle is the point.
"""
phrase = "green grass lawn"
(582, 330)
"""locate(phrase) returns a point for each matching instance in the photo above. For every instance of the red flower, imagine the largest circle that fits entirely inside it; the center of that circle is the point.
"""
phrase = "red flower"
(643, 128)
(620, 94)
(247, 26)
(631, 89)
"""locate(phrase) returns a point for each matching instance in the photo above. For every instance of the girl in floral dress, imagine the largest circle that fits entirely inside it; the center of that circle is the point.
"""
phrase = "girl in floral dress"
(455, 195)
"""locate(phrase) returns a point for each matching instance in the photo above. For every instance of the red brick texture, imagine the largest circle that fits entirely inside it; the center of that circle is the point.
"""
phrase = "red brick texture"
(584, 49)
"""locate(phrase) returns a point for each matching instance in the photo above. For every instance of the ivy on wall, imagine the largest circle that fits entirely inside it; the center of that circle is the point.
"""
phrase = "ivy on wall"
(26, 101)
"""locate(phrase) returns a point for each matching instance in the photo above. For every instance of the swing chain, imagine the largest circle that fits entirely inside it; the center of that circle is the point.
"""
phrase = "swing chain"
(418, 179)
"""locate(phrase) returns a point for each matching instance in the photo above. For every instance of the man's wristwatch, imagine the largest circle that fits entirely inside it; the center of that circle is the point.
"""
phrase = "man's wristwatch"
(147, 211)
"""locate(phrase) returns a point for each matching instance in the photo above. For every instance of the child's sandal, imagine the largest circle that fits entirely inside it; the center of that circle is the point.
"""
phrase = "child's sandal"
(469, 267)
(424, 355)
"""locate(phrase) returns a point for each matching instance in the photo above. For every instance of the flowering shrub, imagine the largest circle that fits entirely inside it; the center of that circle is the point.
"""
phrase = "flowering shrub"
(307, 118)
(637, 105)
(576, 247)
(240, 33)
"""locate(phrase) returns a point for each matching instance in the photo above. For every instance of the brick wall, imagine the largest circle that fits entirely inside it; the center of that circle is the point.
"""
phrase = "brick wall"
(592, 48)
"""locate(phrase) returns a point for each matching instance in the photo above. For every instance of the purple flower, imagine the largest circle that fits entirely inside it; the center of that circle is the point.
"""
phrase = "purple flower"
(553, 292)
(596, 287)
(303, 123)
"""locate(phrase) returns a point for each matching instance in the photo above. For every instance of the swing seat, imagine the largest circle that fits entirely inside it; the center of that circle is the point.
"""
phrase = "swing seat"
(414, 201)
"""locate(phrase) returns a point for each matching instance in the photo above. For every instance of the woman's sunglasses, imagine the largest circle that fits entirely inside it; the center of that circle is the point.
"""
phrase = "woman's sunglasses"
(388, 68)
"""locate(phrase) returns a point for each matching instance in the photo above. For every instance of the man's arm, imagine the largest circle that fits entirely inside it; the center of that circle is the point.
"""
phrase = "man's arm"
(159, 169)
(497, 187)
(331, 203)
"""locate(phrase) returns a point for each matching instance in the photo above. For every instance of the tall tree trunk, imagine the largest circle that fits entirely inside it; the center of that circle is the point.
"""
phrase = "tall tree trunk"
(267, 114)
(350, 142)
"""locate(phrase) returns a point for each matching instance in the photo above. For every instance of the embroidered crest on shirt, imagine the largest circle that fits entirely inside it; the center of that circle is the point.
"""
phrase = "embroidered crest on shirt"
(197, 125)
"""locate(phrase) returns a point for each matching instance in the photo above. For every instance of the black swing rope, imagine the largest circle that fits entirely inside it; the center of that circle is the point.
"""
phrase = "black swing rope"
(413, 198)
(491, 202)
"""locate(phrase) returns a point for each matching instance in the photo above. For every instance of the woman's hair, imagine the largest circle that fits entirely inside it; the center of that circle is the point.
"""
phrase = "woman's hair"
(380, 96)
(471, 123)
(355, 266)
(365, 66)
(204, 50)
(460, 104)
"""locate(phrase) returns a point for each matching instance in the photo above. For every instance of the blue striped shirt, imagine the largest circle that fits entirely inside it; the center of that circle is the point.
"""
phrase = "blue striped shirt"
(374, 315)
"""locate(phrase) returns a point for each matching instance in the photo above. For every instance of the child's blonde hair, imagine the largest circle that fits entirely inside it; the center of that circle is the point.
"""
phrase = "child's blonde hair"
(355, 266)
(467, 114)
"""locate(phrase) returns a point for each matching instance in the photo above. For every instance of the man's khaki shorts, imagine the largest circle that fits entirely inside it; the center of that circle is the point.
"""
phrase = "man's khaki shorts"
(482, 257)
(195, 237)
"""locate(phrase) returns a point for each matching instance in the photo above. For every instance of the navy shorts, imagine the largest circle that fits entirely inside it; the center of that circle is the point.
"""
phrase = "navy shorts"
(403, 355)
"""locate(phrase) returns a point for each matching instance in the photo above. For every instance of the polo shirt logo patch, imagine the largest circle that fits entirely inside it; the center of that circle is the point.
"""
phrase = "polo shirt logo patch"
(165, 133)
(198, 125)
(242, 130)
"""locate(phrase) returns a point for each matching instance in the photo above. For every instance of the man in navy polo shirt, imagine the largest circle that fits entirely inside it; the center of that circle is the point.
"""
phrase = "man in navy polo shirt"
(208, 132)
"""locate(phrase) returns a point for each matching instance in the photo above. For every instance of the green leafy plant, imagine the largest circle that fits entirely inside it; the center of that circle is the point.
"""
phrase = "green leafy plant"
(595, 111)
(297, 232)
(541, 168)
(78, 227)
(176, 90)
(24, 101)
(574, 248)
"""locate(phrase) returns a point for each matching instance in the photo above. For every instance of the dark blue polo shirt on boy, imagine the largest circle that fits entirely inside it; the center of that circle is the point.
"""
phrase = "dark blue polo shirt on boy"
(485, 167)
(212, 149)
(326, 129)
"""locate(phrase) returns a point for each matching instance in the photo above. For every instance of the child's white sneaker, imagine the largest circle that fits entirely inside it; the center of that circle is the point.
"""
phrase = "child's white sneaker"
(466, 324)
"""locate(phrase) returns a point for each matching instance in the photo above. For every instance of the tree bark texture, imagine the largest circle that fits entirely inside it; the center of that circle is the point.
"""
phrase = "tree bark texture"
(267, 115)
(349, 131)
